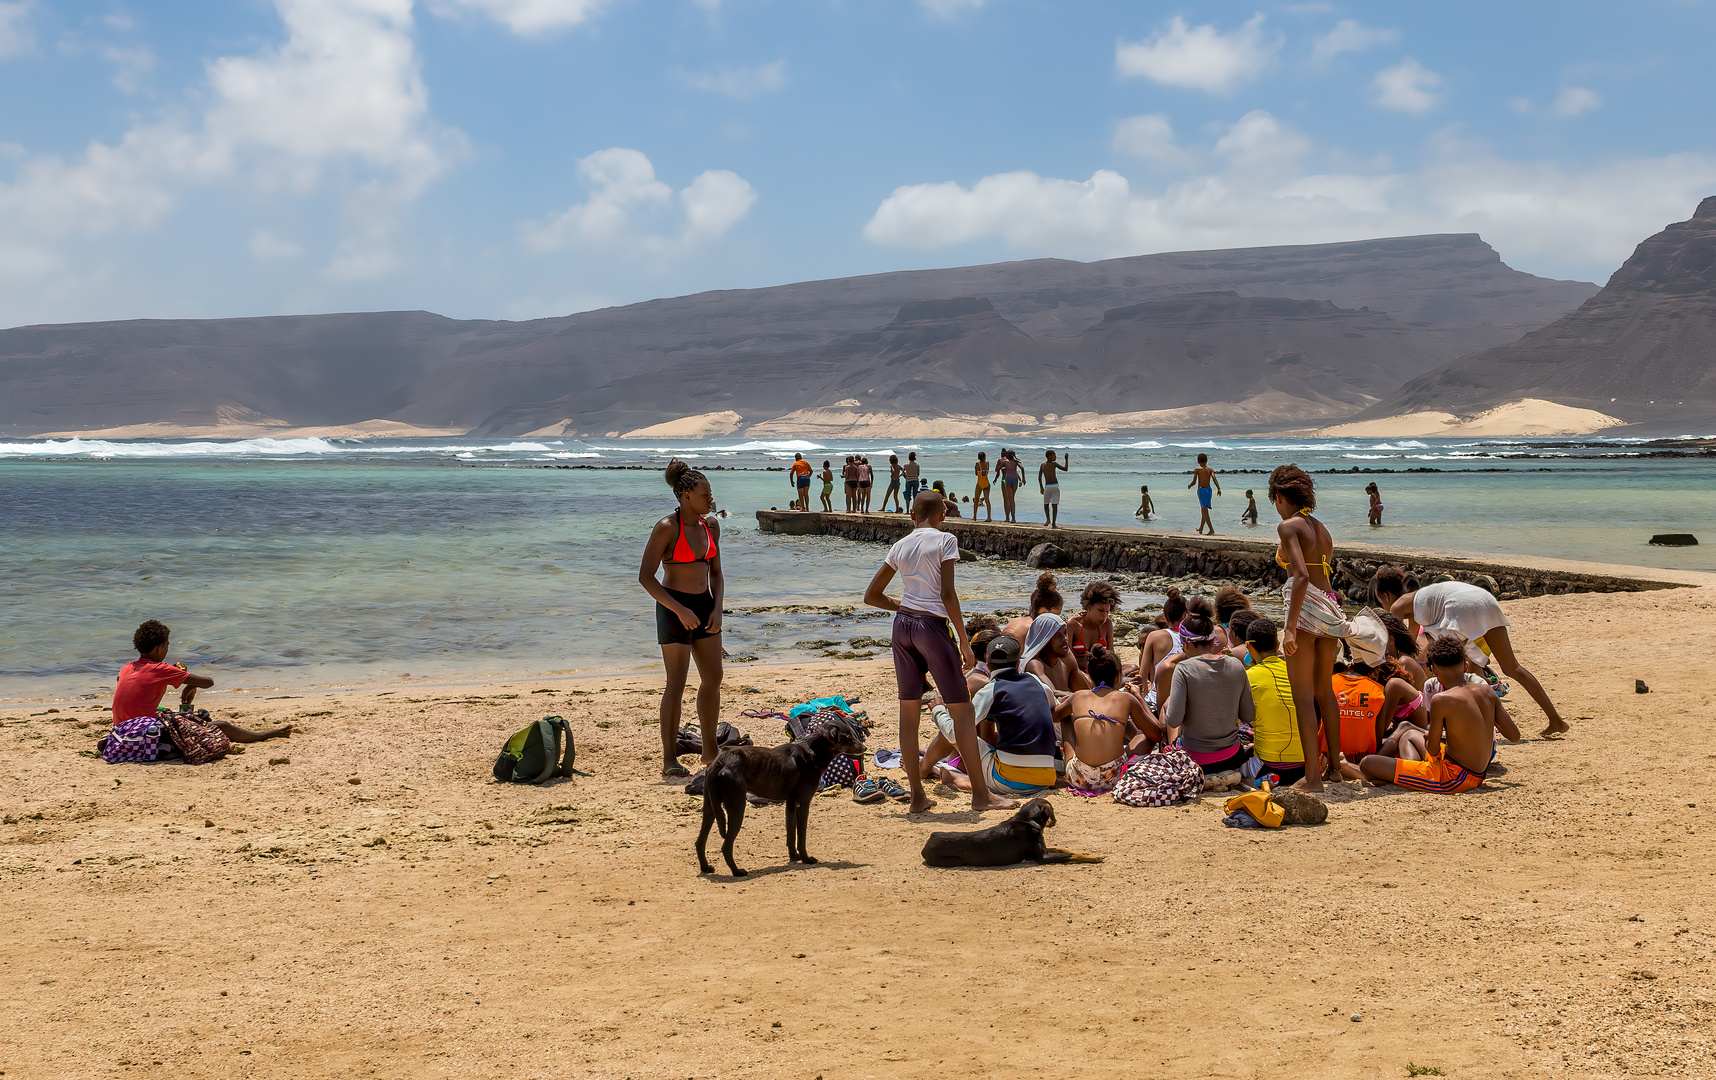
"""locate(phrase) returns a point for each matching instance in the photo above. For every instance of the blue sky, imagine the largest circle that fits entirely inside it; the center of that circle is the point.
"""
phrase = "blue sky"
(518, 158)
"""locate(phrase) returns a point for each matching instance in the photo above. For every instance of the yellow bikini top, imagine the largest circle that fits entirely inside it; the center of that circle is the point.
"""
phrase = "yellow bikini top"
(1328, 571)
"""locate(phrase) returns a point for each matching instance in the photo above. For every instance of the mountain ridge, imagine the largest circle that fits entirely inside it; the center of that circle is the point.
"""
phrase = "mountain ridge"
(1445, 293)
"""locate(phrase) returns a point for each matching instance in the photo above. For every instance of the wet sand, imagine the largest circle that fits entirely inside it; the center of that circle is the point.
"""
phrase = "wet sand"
(375, 906)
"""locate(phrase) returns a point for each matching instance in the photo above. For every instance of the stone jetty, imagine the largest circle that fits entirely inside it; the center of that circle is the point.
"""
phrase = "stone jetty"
(1144, 551)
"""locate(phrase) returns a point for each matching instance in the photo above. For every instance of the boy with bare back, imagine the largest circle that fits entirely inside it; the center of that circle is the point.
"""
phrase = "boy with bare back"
(1462, 736)
(1202, 477)
(1049, 483)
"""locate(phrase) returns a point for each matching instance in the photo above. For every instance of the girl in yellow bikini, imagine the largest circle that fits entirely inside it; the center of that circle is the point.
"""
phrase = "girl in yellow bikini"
(981, 496)
(1306, 552)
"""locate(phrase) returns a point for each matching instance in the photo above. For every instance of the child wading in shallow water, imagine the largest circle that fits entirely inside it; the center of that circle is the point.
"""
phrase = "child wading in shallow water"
(1250, 515)
(1146, 508)
(1375, 503)
(929, 638)
(144, 682)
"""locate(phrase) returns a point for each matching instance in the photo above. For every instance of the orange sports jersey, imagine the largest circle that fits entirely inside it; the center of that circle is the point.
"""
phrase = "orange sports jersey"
(1360, 701)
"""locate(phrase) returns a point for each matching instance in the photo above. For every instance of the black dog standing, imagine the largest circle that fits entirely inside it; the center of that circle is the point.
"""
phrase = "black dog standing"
(790, 773)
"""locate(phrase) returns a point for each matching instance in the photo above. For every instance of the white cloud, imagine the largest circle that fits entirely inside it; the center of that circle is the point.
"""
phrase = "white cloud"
(526, 18)
(1198, 57)
(630, 211)
(1407, 87)
(1575, 100)
(1524, 106)
(1268, 184)
(1349, 35)
(738, 82)
(1150, 137)
(950, 9)
(16, 36)
(341, 95)
(1259, 142)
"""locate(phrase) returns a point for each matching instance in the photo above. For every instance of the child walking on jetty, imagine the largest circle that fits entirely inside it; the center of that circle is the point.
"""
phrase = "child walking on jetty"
(929, 638)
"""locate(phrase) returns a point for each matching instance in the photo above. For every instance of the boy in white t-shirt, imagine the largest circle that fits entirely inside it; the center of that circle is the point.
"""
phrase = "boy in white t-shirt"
(929, 637)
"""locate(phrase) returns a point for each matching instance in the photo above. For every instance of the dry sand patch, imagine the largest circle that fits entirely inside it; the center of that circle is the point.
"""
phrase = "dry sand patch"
(260, 920)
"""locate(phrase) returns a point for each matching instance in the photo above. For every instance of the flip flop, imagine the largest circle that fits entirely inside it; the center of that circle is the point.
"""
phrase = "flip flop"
(676, 772)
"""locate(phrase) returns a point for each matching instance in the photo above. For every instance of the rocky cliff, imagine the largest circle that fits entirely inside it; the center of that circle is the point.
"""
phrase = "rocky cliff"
(1642, 349)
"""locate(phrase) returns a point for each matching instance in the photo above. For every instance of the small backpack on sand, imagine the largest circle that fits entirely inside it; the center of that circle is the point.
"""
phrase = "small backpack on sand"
(540, 751)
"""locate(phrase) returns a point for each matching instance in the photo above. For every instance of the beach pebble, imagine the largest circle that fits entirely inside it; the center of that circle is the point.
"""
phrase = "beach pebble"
(1639, 687)
(279, 761)
(1357, 1017)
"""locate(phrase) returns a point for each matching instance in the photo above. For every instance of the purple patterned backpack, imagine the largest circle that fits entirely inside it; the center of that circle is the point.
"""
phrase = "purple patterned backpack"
(138, 739)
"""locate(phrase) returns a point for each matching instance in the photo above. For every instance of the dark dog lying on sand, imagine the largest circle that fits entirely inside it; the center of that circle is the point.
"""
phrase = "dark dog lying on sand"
(789, 774)
(1018, 839)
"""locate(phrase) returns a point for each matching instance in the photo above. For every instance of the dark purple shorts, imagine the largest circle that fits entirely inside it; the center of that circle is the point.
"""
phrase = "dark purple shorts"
(925, 643)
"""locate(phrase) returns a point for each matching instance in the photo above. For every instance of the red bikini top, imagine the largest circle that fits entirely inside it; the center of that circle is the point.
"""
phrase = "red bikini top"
(682, 552)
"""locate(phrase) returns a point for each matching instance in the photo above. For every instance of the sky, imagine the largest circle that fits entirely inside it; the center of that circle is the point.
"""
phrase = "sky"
(514, 159)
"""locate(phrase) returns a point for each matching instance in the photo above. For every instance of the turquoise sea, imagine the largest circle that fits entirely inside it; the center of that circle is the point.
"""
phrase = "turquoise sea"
(314, 562)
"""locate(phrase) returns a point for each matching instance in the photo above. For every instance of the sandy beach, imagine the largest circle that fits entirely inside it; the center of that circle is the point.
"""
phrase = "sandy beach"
(362, 900)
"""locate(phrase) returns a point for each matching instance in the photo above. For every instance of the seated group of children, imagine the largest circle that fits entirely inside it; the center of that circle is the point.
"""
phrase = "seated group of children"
(1055, 703)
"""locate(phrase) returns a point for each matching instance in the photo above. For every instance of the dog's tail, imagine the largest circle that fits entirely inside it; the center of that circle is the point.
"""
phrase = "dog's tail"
(712, 796)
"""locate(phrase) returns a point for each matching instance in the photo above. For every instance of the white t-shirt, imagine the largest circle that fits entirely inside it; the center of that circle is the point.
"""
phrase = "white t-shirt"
(1455, 605)
(918, 557)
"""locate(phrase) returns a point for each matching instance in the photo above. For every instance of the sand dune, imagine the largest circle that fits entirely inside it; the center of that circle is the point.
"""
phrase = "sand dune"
(699, 426)
(1526, 417)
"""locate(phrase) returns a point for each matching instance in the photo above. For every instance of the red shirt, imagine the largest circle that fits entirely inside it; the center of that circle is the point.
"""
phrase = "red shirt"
(142, 685)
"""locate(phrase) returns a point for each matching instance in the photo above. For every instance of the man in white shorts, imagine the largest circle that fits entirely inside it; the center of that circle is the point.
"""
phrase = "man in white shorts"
(1049, 483)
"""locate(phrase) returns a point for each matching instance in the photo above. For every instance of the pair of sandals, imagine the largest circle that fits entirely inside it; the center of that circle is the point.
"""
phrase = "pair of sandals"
(867, 790)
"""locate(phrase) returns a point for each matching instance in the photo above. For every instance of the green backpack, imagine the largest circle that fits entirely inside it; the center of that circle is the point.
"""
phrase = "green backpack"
(540, 751)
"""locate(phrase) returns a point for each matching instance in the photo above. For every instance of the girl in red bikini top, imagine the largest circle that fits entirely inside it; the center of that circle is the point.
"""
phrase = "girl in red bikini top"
(1094, 625)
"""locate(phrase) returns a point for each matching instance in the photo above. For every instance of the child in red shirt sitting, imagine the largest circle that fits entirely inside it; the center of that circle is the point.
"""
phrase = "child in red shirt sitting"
(144, 682)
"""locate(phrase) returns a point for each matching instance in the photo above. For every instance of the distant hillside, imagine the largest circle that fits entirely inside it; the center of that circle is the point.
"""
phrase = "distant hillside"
(1642, 350)
(886, 342)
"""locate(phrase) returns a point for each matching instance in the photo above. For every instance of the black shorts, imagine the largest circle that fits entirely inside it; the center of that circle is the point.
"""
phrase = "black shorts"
(670, 631)
(1288, 774)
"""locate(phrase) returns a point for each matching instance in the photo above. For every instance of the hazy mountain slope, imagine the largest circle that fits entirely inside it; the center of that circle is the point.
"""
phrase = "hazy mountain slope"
(958, 356)
(1452, 292)
(307, 369)
(1642, 349)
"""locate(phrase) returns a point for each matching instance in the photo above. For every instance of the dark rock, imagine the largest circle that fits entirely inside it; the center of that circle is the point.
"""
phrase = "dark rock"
(1675, 540)
(1639, 687)
(1046, 557)
(1302, 809)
